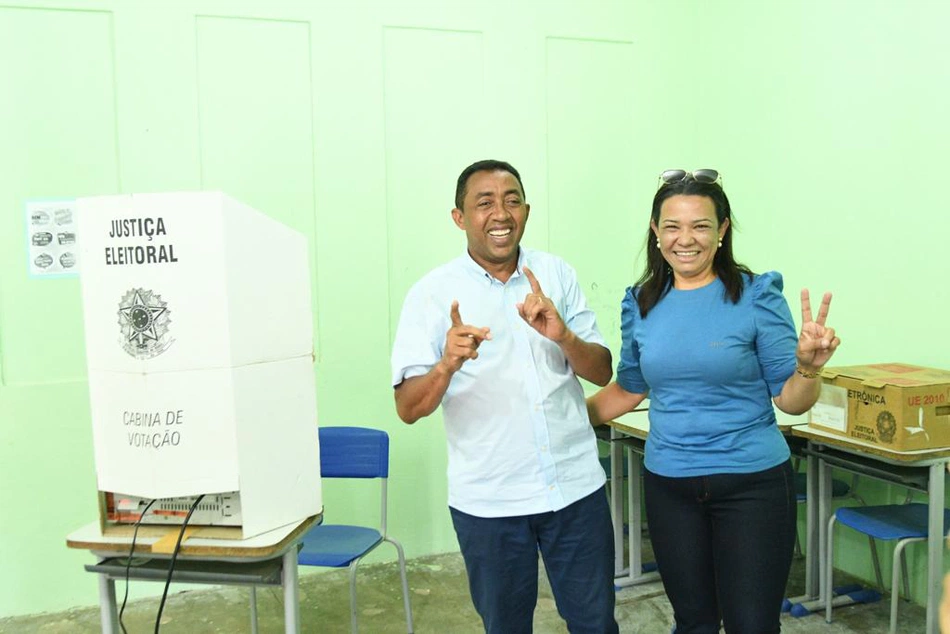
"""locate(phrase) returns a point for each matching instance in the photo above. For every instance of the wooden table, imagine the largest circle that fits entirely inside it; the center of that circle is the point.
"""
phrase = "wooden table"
(923, 470)
(266, 559)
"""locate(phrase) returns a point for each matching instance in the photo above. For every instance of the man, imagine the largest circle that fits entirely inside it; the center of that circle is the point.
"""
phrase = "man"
(498, 337)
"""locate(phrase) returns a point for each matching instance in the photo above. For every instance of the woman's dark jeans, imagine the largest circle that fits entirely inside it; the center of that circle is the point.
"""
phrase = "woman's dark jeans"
(723, 545)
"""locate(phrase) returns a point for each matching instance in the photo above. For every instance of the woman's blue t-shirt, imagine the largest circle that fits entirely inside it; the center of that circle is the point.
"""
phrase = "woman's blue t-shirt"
(712, 368)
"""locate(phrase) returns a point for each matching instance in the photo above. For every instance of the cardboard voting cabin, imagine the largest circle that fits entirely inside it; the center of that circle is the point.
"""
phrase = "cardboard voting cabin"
(199, 343)
(896, 406)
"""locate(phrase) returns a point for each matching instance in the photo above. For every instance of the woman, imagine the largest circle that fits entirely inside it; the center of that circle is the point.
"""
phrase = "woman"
(714, 345)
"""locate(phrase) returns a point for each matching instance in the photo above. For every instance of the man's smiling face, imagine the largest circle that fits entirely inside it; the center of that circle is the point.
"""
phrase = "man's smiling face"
(493, 216)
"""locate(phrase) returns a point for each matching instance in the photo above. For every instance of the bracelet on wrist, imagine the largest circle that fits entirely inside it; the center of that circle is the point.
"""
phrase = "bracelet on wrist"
(806, 374)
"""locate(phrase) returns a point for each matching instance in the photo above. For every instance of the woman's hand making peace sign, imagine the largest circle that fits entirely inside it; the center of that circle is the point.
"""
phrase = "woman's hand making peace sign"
(816, 343)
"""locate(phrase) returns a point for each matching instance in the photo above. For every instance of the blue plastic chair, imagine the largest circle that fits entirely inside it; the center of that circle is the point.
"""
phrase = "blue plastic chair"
(839, 489)
(353, 452)
(905, 523)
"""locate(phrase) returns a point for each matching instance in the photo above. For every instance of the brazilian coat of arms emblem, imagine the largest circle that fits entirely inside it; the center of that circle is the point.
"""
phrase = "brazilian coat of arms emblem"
(144, 320)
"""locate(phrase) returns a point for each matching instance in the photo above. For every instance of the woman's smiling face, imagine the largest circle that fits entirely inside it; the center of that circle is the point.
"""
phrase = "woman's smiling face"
(689, 235)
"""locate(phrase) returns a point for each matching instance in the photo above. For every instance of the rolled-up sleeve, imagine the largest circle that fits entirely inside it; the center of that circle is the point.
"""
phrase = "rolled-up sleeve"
(420, 337)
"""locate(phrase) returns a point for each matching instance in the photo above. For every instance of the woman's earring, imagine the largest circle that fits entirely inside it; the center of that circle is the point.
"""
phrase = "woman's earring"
(657, 243)
(720, 242)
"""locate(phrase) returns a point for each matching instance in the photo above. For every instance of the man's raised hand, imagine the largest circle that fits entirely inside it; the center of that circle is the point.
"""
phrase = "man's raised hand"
(540, 312)
(461, 341)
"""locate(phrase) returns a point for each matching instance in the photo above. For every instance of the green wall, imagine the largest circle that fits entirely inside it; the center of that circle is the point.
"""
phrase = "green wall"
(350, 122)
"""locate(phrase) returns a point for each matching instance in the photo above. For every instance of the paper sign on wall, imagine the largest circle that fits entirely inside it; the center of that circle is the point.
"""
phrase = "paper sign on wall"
(51, 238)
(831, 410)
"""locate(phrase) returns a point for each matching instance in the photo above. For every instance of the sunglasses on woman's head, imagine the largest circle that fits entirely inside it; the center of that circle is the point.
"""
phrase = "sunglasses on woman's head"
(708, 176)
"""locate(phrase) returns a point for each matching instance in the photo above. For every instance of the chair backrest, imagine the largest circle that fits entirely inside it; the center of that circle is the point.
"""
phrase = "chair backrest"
(353, 452)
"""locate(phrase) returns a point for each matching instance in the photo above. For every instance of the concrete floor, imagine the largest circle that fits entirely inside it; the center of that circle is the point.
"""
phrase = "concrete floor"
(440, 604)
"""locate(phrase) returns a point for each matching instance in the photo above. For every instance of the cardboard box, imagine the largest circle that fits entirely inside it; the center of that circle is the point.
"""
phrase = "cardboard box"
(199, 349)
(896, 406)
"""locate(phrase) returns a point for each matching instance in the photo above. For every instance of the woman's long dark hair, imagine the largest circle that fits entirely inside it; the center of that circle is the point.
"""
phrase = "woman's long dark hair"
(657, 279)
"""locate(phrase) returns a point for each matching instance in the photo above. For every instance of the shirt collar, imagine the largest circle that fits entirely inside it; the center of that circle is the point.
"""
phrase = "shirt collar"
(476, 268)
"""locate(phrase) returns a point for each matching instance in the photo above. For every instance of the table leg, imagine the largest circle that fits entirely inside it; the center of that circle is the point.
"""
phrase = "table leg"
(635, 521)
(934, 544)
(291, 600)
(253, 598)
(107, 610)
(616, 499)
(816, 572)
(824, 514)
(635, 574)
(811, 527)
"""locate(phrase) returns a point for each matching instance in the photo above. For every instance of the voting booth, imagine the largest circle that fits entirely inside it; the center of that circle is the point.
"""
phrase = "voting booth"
(199, 345)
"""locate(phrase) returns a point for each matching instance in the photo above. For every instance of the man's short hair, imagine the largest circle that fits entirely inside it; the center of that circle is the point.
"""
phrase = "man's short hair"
(488, 165)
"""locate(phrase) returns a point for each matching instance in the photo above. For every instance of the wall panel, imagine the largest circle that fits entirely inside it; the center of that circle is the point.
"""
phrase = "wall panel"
(58, 139)
(255, 114)
(435, 125)
(592, 147)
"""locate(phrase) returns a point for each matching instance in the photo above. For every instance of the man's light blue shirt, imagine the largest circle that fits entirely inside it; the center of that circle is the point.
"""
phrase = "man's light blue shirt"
(519, 438)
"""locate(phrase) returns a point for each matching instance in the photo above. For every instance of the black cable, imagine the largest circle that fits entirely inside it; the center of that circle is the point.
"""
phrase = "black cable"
(171, 566)
(128, 565)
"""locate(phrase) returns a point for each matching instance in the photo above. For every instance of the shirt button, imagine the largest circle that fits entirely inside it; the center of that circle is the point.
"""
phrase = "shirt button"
(544, 447)
(551, 487)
